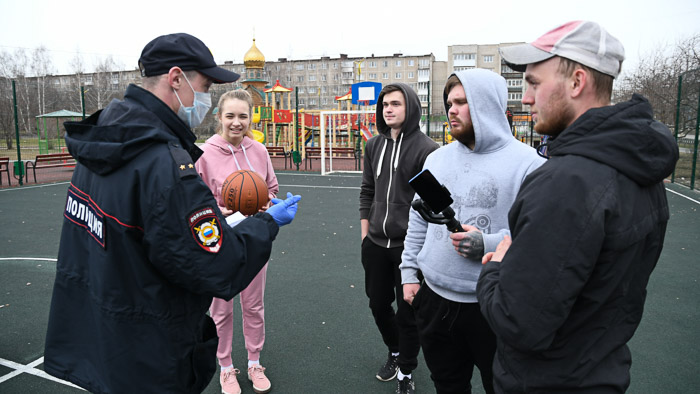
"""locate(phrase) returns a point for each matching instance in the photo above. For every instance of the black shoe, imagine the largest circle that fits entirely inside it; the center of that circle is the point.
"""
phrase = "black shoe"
(389, 370)
(405, 386)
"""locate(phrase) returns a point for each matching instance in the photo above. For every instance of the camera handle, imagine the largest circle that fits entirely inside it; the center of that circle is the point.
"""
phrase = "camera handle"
(446, 217)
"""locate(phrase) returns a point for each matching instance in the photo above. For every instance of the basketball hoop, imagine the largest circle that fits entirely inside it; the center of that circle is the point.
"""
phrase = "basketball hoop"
(367, 92)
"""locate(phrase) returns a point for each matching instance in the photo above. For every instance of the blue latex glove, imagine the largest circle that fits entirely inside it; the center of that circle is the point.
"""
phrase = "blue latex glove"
(283, 211)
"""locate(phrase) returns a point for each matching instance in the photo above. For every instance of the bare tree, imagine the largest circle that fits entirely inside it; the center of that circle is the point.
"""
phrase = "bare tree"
(688, 52)
(41, 67)
(106, 83)
(15, 66)
(30, 72)
(77, 65)
(6, 111)
(656, 77)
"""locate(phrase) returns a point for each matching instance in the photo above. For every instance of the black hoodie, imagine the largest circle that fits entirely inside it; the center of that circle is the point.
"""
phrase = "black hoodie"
(588, 228)
(385, 196)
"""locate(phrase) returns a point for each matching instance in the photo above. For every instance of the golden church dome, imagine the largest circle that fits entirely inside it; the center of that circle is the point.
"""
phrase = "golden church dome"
(254, 58)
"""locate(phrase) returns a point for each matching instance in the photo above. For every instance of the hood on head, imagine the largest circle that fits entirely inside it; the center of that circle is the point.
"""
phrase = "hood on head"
(413, 111)
(487, 96)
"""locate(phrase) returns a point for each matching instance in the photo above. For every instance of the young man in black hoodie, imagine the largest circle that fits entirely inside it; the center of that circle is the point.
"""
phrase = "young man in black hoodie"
(392, 158)
(588, 226)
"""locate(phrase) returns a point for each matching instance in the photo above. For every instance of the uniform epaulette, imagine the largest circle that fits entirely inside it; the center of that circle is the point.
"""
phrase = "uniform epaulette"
(182, 159)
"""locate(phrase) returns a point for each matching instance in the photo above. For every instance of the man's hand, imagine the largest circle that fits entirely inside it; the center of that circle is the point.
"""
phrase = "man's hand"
(364, 228)
(469, 244)
(500, 252)
(409, 292)
(283, 211)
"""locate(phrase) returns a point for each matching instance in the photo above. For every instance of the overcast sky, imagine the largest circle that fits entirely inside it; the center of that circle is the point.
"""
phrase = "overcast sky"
(310, 29)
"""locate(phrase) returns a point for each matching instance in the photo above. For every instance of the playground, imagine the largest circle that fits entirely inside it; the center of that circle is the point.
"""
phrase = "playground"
(321, 134)
(294, 137)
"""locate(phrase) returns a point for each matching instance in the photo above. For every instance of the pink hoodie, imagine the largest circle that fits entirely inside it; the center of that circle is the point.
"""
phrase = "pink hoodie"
(217, 163)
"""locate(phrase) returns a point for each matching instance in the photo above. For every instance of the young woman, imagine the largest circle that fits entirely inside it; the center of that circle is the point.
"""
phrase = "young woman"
(231, 149)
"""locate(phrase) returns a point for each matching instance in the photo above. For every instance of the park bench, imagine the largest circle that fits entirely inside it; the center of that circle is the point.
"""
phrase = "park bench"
(49, 161)
(273, 151)
(314, 152)
(5, 167)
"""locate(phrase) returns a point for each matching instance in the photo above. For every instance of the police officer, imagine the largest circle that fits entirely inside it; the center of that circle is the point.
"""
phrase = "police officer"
(144, 247)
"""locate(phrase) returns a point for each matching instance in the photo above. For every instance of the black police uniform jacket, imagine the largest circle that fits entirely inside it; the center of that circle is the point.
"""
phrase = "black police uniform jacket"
(588, 228)
(143, 250)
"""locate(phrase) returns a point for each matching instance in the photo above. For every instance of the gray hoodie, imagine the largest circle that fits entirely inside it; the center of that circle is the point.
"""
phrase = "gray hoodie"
(385, 195)
(483, 183)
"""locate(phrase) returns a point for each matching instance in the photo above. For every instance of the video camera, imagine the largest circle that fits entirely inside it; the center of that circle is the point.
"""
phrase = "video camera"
(434, 202)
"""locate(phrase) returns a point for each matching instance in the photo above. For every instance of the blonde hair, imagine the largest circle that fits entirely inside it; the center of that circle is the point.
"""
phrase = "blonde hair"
(238, 94)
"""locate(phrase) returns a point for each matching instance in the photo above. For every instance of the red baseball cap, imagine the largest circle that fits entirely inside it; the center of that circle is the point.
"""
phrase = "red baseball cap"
(584, 42)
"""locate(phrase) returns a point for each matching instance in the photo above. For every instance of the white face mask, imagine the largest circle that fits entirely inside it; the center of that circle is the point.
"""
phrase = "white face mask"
(194, 115)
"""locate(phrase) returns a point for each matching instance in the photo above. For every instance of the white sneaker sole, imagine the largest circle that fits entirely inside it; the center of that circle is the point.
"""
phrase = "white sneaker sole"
(390, 379)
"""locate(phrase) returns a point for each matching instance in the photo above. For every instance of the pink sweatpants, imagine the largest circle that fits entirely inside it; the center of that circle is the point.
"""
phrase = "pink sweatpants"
(253, 313)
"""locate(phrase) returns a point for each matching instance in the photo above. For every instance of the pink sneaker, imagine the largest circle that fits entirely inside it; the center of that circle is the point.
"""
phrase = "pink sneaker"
(256, 374)
(229, 383)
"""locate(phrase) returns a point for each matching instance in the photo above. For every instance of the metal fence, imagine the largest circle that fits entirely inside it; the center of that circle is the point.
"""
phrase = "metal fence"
(687, 127)
(24, 101)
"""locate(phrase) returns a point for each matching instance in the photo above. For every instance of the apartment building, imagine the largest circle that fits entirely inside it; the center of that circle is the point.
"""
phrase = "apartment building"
(320, 81)
(463, 57)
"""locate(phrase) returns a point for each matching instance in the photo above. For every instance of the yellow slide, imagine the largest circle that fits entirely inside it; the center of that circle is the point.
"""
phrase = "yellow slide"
(258, 136)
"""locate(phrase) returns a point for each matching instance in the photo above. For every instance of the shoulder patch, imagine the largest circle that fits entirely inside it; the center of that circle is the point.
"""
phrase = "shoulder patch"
(182, 160)
(205, 228)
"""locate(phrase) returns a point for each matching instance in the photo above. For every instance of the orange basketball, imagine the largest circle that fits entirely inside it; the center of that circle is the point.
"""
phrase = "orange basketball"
(244, 191)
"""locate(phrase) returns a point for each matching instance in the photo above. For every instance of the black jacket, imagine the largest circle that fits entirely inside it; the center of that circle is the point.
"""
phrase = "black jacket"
(385, 195)
(588, 228)
(143, 250)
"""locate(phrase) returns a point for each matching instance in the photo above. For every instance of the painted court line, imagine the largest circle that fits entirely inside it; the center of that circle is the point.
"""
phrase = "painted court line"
(323, 187)
(33, 187)
(28, 258)
(347, 175)
(674, 192)
(29, 368)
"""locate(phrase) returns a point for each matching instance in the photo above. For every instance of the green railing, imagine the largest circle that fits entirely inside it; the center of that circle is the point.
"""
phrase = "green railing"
(686, 129)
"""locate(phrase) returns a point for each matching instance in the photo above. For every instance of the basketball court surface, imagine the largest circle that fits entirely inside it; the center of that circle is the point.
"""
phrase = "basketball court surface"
(320, 334)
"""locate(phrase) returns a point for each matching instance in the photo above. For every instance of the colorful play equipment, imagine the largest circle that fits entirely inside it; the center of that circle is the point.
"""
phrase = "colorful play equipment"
(282, 119)
(278, 121)
(258, 136)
